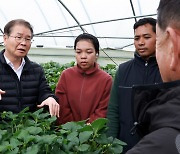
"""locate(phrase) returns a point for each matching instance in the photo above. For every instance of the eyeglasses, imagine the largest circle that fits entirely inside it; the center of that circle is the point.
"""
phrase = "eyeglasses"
(20, 39)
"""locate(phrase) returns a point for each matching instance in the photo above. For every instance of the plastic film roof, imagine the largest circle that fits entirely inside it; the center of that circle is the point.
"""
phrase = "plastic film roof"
(56, 23)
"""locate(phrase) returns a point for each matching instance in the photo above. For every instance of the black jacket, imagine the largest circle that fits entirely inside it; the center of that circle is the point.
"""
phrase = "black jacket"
(134, 72)
(30, 90)
(156, 110)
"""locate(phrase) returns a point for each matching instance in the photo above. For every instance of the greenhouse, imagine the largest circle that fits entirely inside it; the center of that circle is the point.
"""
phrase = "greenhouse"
(86, 76)
(57, 23)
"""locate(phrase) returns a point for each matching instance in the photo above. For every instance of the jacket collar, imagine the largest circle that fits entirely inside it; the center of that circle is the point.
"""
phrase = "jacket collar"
(2, 59)
(90, 71)
(140, 59)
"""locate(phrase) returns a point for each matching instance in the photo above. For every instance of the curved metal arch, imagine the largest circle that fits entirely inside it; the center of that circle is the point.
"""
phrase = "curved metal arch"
(132, 7)
(63, 15)
(44, 18)
(92, 23)
(1, 31)
(71, 15)
(92, 26)
(2, 13)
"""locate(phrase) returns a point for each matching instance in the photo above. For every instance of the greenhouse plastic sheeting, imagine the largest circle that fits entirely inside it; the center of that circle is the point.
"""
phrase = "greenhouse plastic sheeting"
(56, 23)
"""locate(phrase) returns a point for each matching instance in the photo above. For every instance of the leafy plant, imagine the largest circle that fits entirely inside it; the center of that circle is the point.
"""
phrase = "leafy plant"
(110, 69)
(36, 133)
(53, 71)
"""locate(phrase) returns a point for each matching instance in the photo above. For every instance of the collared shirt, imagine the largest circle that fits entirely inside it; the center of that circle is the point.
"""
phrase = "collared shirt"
(20, 68)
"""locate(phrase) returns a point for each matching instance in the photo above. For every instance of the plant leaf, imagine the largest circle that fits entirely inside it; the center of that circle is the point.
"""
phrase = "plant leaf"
(47, 139)
(83, 147)
(117, 141)
(116, 149)
(72, 126)
(34, 130)
(23, 134)
(84, 136)
(98, 124)
(72, 135)
(86, 128)
(102, 139)
(32, 149)
(14, 142)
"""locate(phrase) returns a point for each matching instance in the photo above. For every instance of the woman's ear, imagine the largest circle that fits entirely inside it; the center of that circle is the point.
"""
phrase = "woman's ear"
(97, 56)
(174, 54)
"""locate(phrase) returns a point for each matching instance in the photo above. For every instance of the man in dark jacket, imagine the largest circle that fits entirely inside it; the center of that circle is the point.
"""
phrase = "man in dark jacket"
(156, 107)
(22, 82)
(143, 69)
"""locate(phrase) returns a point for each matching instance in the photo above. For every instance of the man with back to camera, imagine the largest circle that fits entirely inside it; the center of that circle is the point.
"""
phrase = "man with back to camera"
(157, 106)
(142, 69)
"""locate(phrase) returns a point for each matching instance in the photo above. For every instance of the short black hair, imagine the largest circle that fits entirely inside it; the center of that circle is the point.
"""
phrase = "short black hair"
(144, 21)
(168, 14)
(87, 36)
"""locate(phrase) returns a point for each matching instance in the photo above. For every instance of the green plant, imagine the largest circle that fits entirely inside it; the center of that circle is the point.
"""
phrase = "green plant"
(36, 133)
(110, 69)
(53, 71)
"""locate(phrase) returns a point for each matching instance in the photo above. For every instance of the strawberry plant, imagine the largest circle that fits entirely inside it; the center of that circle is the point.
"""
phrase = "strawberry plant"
(110, 69)
(53, 71)
(36, 133)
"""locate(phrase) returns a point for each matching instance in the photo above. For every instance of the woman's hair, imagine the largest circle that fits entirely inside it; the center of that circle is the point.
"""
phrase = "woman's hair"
(86, 36)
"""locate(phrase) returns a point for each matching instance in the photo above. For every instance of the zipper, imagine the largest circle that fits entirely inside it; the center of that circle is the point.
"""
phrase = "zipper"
(134, 128)
(146, 63)
(82, 86)
(146, 72)
(18, 84)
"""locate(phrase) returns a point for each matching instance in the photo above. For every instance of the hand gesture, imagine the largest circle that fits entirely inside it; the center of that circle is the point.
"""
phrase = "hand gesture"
(1, 92)
(54, 107)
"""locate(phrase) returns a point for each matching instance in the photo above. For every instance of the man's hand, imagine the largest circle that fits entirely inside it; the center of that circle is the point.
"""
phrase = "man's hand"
(1, 92)
(54, 107)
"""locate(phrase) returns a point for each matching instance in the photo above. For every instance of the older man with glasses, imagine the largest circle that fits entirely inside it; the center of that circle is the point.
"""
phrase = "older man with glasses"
(22, 82)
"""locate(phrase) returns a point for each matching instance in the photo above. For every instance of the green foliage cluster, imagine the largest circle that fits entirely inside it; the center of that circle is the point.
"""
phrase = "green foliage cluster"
(53, 71)
(36, 133)
(110, 69)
